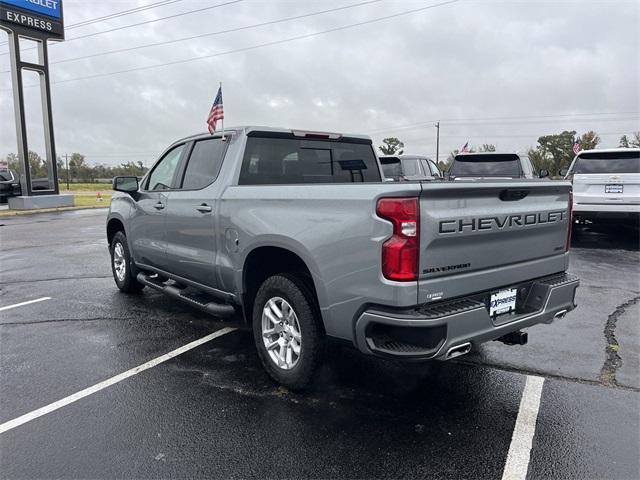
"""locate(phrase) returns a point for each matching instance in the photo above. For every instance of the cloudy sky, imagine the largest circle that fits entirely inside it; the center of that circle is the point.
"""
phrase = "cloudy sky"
(492, 71)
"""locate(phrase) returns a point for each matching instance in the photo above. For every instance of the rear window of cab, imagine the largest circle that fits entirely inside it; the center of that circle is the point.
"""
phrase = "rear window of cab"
(607, 162)
(282, 161)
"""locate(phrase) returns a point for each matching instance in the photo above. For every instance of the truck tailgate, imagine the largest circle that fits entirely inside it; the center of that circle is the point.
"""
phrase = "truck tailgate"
(482, 235)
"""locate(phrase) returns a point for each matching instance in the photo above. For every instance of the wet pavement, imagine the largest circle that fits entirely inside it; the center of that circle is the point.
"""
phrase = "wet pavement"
(213, 413)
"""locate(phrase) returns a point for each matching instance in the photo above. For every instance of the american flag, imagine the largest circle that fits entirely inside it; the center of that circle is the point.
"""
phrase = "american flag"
(465, 148)
(217, 112)
(576, 146)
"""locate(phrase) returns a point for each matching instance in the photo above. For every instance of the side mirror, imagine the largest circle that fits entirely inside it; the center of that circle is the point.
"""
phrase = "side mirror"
(543, 173)
(125, 184)
(563, 172)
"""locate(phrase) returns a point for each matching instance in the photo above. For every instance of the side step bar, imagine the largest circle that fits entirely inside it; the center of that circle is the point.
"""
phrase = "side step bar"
(217, 309)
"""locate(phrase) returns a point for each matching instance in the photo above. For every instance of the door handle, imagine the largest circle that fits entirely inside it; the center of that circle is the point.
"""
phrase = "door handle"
(204, 208)
(159, 206)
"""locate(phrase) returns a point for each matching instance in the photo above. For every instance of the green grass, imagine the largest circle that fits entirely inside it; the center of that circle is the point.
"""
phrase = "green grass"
(86, 187)
(81, 200)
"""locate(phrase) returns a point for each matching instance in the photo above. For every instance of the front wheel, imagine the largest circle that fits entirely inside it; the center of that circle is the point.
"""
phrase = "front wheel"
(121, 266)
(287, 331)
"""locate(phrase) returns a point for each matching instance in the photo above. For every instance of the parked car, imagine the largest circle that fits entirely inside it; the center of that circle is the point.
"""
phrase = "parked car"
(297, 234)
(409, 167)
(606, 185)
(493, 165)
(9, 184)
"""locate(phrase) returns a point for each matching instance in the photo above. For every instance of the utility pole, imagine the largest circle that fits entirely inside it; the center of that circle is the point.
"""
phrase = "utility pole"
(66, 164)
(437, 125)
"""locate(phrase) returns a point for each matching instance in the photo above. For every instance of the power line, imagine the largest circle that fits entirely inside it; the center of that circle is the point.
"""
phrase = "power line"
(121, 13)
(491, 135)
(122, 27)
(470, 121)
(146, 22)
(219, 32)
(113, 15)
(261, 45)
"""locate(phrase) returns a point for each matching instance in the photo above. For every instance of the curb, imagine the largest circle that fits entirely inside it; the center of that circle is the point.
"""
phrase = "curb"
(15, 213)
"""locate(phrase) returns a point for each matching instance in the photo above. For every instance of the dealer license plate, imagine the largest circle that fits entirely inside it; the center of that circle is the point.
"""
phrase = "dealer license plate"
(503, 301)
(613, 188)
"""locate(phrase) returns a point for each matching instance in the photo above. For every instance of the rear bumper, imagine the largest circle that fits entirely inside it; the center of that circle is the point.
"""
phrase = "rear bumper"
(597, 208)
(430, 331)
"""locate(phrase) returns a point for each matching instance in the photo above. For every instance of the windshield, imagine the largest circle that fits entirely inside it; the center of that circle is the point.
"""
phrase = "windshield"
(485, 166)
(5, 175)
(608, 162)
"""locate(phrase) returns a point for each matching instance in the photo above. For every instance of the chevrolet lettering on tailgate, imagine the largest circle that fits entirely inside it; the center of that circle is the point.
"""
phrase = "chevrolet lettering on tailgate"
(499, 222)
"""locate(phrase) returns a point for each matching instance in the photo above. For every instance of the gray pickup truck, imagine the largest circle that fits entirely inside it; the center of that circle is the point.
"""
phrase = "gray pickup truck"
(297, 234)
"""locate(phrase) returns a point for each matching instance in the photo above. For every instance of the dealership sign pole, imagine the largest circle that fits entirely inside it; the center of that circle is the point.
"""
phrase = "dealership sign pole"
(38, 21)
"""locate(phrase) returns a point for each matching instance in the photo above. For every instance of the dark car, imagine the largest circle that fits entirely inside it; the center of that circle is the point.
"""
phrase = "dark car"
(493, 165)
(9, 184)
(409, 167)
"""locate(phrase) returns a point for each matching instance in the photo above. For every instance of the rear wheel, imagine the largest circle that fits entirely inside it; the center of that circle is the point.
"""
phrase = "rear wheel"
(121, 266)
(287, 331)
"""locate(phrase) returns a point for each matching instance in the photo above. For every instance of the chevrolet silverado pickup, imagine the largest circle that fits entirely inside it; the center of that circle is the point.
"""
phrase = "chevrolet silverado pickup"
(297, 234)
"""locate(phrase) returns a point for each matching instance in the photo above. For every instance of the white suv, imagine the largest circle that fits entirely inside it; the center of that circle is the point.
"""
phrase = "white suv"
(606, 185)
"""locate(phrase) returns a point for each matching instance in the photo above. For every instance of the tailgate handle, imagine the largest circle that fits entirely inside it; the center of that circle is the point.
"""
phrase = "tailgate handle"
(510, 195)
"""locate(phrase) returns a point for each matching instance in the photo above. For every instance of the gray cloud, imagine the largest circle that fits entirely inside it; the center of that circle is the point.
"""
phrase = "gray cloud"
(472, 59)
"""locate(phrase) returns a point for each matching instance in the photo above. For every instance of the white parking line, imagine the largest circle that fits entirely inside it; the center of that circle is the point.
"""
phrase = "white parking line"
(27, 417)
(522, 439)
(42, 299)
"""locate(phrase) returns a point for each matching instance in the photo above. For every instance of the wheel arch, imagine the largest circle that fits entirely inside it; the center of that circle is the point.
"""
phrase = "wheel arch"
(114, 225)
(267, 260)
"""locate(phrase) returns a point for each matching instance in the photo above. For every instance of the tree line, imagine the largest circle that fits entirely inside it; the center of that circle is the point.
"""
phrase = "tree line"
(79, 170)
(552, 152)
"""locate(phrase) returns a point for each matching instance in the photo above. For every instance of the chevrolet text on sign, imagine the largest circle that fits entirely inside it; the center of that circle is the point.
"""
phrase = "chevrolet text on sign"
(50, 8)
(42, 16)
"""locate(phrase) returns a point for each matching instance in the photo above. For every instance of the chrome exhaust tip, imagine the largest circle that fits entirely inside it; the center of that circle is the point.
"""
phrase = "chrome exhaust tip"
(561, 314)
(458, 350)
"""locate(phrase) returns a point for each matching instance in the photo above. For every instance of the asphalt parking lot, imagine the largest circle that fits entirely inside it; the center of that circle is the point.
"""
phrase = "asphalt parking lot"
(213, 412)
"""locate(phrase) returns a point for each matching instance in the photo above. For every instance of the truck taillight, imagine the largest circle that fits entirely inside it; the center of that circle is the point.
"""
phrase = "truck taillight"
(400, 253)
(569, 220)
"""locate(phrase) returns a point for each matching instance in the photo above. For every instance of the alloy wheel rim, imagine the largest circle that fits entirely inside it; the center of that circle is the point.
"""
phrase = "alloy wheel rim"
(119, 264)
(281, 333)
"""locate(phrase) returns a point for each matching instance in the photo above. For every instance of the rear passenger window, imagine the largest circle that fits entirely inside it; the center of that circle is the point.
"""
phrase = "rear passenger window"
(204, 163)
(295, 161)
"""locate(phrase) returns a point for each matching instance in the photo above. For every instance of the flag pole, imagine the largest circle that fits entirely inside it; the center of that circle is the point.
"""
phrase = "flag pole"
(222, 119)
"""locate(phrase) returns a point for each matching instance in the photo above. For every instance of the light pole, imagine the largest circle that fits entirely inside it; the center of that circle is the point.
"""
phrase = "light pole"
(66, 166)
(437, 125)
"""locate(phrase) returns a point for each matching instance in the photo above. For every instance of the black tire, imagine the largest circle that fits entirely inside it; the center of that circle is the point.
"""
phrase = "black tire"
(125, 281)
(312, 345)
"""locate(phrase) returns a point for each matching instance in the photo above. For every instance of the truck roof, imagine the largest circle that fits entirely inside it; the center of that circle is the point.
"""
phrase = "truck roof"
(609, 150)
(256, 128)
(404, 155)
(487, 153)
